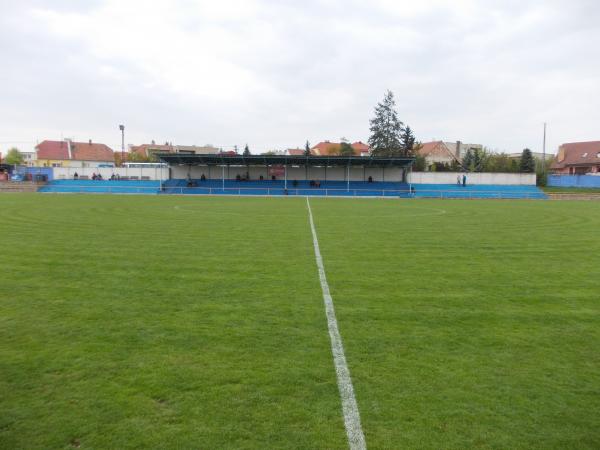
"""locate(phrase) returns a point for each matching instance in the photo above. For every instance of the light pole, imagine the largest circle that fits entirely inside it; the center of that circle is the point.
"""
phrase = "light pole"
(122, 128)
(544, 152)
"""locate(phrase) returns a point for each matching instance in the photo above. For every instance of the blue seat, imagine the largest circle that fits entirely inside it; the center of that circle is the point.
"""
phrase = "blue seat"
(478, 191)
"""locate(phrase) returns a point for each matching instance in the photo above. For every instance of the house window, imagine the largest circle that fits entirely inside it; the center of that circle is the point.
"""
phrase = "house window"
(56, 164)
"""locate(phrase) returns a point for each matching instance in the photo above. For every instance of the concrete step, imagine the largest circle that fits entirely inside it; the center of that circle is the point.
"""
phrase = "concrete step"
(25, 186)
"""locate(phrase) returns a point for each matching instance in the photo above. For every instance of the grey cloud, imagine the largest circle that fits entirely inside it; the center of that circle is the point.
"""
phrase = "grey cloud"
(488, 73)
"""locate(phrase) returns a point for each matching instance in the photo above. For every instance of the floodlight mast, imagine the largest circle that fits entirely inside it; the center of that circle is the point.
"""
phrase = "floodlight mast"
(544, 152)
(122, 128)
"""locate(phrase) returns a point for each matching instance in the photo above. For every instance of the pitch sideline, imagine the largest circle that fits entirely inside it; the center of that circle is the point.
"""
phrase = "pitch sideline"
(356, 438)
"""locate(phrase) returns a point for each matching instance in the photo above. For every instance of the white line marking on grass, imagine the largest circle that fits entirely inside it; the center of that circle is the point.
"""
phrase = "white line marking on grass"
(356, 438)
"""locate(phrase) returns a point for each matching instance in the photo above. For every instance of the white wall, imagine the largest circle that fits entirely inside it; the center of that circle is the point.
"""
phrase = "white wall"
(66, 173)
(299, 173)
(473, 178)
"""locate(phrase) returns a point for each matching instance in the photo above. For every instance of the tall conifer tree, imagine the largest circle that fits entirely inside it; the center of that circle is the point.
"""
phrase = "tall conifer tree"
(386, 129)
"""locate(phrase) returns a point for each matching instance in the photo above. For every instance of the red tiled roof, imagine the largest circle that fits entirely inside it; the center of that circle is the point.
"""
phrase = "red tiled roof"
(52, 150)
(436, 148)
(577, 154)
(80, 151)
(361, 147)
(325, 148)
(333, 148)
(89, 151)
(295, 151)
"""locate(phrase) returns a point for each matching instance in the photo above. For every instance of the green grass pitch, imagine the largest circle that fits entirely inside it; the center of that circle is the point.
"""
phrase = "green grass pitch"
(179, 322)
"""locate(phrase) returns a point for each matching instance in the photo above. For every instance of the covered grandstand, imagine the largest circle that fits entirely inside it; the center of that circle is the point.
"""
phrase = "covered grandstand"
(286, 175)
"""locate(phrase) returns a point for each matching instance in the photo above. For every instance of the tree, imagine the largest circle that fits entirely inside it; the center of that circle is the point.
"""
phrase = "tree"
(307, 149)
(440, 167)
(480, 157)
(498, 162)
(407, 142)
(346, 149)
(235, 149)
(14, 157)
(246, 150)
(467, 161)
(527, 161)
(475, 160)
(386, 129)
(420, 163)
(137, 157)
(455, 166)
(543, 167)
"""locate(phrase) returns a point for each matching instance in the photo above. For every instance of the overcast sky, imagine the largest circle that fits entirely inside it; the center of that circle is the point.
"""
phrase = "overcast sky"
(276, 73)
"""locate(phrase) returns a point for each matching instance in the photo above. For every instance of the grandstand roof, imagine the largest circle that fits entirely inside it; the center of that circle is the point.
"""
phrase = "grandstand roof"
(274, 160)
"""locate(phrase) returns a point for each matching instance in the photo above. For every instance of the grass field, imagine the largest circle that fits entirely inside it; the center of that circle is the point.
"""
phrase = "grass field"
(178, 322)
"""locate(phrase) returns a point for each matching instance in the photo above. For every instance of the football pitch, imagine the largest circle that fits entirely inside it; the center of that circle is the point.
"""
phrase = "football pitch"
(199, 322)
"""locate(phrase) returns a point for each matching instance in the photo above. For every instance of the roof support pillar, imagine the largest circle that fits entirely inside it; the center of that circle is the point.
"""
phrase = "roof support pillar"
(223, 167)
(285, 175)
(160, 183)
(348, 178)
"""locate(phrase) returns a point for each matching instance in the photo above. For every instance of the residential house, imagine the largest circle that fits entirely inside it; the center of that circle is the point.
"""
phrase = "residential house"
(333, 148)
(441, 152)
(67, 153)
(295, 152)
(438, 152)
(147, 150)
(577, 158)
(28, 158)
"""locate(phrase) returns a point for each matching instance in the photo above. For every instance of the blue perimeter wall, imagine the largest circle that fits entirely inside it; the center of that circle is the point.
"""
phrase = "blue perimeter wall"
(583, 181)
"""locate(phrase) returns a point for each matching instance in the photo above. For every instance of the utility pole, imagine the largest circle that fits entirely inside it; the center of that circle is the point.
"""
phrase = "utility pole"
(122, 128)
(544, 152)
